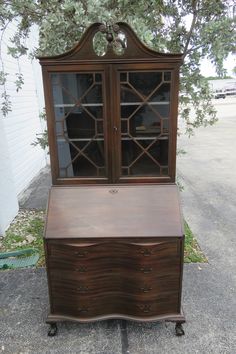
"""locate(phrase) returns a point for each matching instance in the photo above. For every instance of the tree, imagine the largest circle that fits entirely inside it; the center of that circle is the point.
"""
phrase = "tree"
(197, 28)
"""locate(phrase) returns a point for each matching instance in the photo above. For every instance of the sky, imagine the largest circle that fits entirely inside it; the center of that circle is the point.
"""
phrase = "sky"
(208, 69)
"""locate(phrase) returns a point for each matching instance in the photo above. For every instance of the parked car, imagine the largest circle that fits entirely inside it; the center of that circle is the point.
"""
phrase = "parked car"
(220, 95)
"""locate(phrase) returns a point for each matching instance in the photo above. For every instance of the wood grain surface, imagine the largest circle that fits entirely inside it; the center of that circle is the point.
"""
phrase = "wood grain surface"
(114, 211)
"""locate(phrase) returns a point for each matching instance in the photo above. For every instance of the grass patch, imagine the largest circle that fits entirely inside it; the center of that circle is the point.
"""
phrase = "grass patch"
(192, 251)
(26, 231)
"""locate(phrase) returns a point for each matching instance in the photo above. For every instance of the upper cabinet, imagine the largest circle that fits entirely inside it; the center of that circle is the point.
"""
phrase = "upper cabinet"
(112, 116)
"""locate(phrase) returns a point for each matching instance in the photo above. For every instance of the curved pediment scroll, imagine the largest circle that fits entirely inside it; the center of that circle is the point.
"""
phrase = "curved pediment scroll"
(110, 41)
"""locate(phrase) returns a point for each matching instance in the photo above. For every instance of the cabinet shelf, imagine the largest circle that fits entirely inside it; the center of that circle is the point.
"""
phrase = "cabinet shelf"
(150, 103)
(79, 140)
(75, 105)
(122, 138)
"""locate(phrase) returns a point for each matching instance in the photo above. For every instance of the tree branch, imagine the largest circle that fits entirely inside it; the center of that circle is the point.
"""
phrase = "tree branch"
(194, 19)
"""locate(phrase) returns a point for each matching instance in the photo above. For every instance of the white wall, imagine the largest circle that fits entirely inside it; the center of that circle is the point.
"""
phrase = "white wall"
(8, 197)
(22, 124)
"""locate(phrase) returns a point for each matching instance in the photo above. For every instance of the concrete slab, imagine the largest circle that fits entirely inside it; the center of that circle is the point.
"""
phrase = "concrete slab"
(23, 309)
(36, 195)
(210, 313)
(209, 294)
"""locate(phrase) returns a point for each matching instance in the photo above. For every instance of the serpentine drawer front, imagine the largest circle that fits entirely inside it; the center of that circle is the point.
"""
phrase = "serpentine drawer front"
(114, 278)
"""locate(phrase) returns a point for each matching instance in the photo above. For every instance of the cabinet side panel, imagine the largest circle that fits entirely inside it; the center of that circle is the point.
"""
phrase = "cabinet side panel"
(173, 125)
(181, 265)
(47, 261)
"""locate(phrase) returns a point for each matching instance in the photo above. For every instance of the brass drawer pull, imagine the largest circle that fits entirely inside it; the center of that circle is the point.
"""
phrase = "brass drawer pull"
(80, 253)
(83, 309)
(82, 289)
(146, 269)
(145, 308)
(146, 289)
(146, 252)
(81, 269)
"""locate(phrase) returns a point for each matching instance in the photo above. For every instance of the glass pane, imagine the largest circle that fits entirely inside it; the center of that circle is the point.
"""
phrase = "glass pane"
(127, 109)
(145, 167)
(99, 127)
(95, 110)
(79, 125)
(63, 172)
(130, 151)
(164, 171)
(145, 109)
(95, 152)
(83, 167)
(145, 82)
(165, 126)
(78, 108)
(163, 110)
(125, 171)
(101, 172)
(164, 149)
(94, 95)
(55, 79)
(162, 94)
(146, 159)
(145, 122)
(123, 77)
(59, 128)
(124, 126)
(129, 95)
(64, 157)
(167, 76)
(76, 84)
(159, 151)
(98, 77)
(62, 98)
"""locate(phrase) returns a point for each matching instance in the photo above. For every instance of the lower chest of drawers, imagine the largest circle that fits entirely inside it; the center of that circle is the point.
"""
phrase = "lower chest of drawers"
(115, 278)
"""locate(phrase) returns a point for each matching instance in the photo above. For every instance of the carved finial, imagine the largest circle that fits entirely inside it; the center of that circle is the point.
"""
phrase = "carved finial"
(109, 35)
(115, 43)
(108, 29)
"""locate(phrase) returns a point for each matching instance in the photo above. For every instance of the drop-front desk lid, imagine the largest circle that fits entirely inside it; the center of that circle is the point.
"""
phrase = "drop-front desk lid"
(114, 211)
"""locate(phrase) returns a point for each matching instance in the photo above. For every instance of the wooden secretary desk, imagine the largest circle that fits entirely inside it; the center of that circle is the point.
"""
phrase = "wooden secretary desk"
(114, 236)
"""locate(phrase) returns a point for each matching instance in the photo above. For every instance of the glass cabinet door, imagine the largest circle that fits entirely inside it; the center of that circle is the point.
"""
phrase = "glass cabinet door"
(79, 124)
(144, 119)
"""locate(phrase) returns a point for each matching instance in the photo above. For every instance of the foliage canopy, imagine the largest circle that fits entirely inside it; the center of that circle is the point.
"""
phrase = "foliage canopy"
(197, 28)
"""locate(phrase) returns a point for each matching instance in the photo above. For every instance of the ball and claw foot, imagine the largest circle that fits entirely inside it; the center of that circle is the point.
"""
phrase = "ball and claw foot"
(179, 329)
(52, 330)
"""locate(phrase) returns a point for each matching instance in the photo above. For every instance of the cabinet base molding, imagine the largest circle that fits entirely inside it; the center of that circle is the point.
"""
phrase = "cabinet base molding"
(179, 319)
(168, 318)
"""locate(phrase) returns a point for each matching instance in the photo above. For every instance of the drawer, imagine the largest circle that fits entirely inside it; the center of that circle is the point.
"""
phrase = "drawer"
(119, 304)
(83, 268)
(120, 283)
(113, 255)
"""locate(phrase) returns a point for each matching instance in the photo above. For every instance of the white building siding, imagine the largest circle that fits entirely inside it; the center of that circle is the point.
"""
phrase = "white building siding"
(19, 160)
(23, 123)
(8, 198)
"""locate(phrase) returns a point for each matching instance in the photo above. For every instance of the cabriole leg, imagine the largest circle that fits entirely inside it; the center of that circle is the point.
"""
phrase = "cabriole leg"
(52, 330)
(179, 329)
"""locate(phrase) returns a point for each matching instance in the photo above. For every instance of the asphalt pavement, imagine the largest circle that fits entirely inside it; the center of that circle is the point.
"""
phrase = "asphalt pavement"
(209, 290)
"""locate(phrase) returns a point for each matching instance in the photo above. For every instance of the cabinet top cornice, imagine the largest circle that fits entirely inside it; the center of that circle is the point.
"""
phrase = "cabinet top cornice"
(132, 49)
